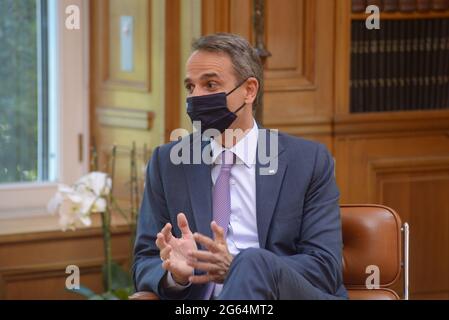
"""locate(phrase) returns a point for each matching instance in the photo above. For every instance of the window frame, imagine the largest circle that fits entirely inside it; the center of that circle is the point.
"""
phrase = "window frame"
(68, 88)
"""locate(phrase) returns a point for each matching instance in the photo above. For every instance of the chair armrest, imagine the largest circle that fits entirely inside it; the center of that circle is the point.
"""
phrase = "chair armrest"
(373, 294)
(144, 295)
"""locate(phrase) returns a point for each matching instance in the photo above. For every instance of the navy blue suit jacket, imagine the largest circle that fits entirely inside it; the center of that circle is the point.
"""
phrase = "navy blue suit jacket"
(298, 215)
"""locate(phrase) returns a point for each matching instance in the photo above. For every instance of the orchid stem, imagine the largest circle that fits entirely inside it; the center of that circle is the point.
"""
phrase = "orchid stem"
(106, 224)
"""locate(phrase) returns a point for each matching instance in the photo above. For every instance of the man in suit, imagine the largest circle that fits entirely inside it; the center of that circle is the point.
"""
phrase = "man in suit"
(223, 227)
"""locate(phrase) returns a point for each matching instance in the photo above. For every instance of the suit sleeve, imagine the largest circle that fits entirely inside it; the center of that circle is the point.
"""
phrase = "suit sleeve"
(319, 257)
(153, 215)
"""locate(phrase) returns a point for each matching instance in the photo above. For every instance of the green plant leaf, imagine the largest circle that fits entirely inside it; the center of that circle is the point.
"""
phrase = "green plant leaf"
(97, 297)
(84, 291)
(120, 278)
(109, 296)
(123, 293)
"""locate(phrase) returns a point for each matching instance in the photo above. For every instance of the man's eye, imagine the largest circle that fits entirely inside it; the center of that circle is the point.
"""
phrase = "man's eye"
(211, 85)
(189, 88)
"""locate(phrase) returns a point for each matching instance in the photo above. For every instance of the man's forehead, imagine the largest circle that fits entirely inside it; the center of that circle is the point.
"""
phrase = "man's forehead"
(208, 64)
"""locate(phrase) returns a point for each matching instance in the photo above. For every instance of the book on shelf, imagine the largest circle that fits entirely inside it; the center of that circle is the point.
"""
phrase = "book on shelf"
(390, 5)
(423, 5)
(440, 5)
(358, 5)
(403, 66)
(407, 5)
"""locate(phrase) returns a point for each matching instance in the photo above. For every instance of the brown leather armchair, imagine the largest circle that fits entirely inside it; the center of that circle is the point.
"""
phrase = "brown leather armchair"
(373, 238)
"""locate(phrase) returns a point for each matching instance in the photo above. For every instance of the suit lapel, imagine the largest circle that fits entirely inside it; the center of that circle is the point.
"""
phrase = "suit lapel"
(199, 182)
(268, 188)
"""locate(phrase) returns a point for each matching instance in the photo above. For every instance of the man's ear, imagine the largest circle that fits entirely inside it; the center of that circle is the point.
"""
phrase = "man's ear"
(252, 87)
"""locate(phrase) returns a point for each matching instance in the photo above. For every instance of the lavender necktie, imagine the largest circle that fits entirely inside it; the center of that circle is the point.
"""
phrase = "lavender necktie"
(221, 200)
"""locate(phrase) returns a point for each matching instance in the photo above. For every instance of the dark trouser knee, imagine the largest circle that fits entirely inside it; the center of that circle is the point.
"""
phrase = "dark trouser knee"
(254, 265)
(260, 274)
(253, 257)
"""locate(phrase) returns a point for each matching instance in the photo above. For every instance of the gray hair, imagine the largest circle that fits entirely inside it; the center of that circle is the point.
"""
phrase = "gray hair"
(245, 60)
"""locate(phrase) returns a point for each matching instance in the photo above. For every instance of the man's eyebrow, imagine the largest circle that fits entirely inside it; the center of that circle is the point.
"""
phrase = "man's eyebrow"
(203, 77)
(209, 75)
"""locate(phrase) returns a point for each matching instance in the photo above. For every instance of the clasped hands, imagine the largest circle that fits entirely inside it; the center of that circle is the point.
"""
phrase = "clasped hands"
(181, 256)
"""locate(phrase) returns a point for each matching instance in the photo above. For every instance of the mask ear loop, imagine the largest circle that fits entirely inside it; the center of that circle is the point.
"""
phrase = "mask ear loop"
(240, 108)
(238, 86)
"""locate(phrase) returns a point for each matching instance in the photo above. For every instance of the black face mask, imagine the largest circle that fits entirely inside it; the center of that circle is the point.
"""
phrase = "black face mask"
(212, 110)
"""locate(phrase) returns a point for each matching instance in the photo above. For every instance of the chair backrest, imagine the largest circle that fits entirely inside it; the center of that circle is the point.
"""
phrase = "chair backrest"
(371, 239)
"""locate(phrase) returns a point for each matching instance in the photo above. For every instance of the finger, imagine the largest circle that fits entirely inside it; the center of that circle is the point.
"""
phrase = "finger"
(204, 266)
(165, 253)
(202, 255)
(206, 241)
(166, 231)
(183, 224)
(218, 232)
(160, 241)
(205, 278)
(166, 265)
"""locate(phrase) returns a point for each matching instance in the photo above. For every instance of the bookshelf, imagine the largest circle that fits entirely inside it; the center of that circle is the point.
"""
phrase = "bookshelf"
(397, 156)
(403, 15)
(404, 65)
(406, 6)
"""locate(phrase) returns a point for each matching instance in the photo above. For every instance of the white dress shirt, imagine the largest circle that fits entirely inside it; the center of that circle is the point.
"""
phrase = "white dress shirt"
(242, 229)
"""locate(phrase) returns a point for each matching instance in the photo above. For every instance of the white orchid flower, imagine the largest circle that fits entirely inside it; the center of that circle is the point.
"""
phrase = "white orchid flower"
(69, 211)
(99, 205)
(55, 202)
(98, 182)
(75, 205)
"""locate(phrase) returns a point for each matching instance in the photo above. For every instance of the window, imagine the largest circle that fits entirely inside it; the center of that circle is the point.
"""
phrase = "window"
(24, 109)
(43, 103)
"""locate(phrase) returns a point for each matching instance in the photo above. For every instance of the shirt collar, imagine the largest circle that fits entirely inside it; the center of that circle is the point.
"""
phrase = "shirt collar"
(245, 150)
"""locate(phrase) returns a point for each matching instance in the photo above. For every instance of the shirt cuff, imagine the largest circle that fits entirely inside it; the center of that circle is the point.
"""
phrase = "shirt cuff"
(170, 284)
